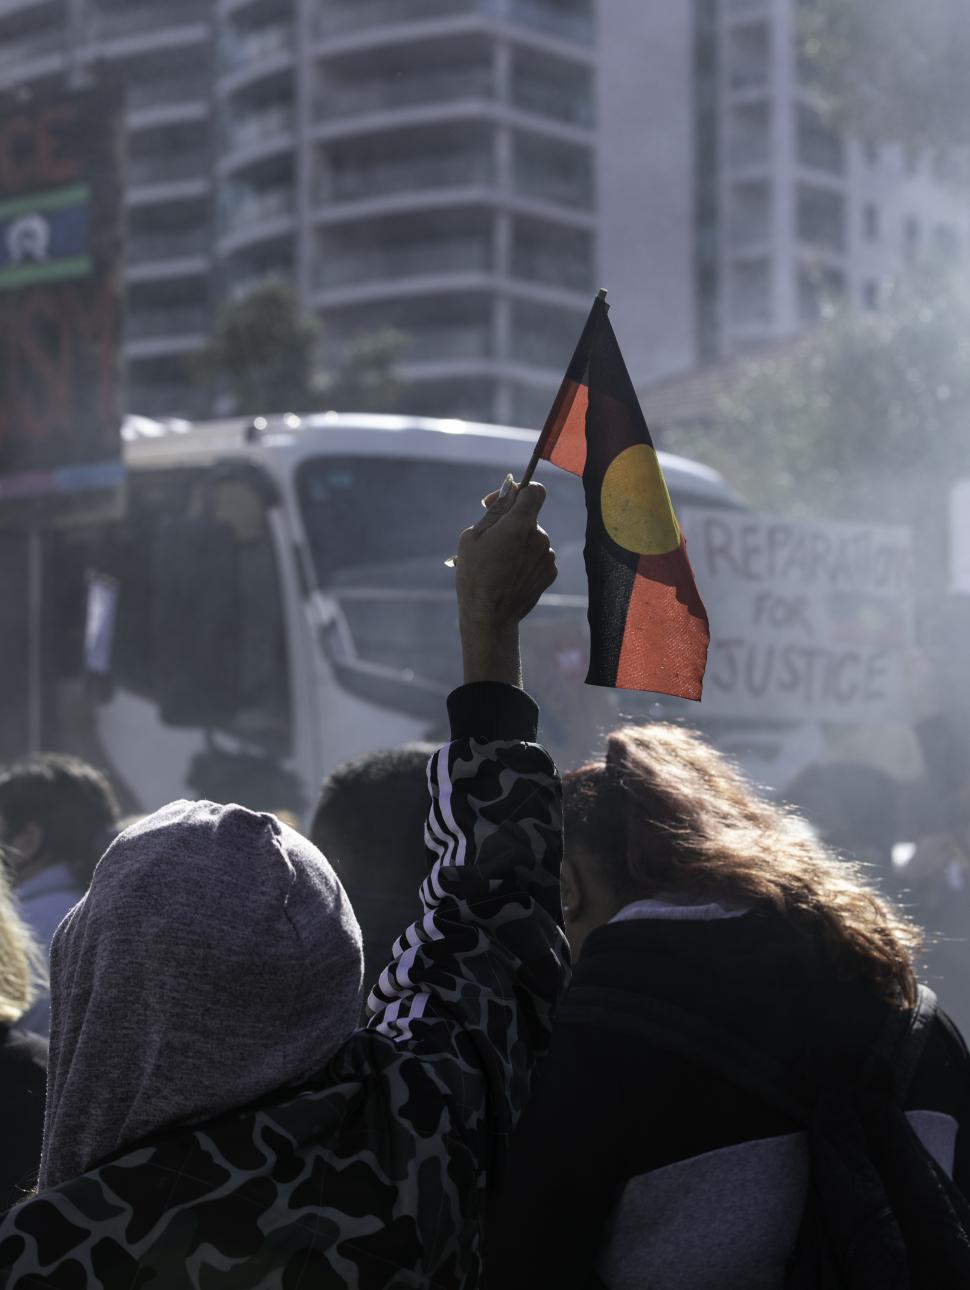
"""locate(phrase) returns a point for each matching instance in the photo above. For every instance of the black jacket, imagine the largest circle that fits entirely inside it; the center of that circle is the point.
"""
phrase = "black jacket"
(23, 1086)
(635, 1161)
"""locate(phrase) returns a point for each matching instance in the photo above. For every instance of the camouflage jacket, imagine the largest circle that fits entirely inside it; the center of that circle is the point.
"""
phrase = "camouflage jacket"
(373, 1175)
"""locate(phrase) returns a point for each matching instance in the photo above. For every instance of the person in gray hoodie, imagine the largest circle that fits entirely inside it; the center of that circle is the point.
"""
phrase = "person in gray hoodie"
(215, 1117)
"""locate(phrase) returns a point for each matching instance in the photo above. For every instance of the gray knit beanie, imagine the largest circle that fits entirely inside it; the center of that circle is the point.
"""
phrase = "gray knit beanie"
(214, 959)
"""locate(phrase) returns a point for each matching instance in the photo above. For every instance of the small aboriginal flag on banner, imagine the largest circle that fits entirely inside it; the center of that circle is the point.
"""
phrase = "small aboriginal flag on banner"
(648, 626)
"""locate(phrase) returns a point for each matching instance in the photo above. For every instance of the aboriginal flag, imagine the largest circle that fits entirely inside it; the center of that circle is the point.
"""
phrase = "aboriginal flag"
(648, 627)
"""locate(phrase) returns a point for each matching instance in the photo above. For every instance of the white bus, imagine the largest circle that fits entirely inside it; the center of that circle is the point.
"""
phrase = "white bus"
(282, 603)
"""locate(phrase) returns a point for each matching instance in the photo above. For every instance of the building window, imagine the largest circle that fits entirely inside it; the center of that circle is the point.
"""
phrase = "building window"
(870, 295)
(749, 55)
(870, 222)
(820, 147)
(911, 237)
(750, 135)
(870, 151)
(751, 292)
(750, 213)
(821, 218)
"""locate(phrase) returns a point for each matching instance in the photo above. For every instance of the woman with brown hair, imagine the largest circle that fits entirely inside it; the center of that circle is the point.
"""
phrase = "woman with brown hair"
(744, 1009)
(23, 1056)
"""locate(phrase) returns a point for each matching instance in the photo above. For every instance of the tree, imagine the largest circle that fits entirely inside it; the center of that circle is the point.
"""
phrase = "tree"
(366, 379)
(892, 70)
(266, 355)
(264, 352)
(865, 417)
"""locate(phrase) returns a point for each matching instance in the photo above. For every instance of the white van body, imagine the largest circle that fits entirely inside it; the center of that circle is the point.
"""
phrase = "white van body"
(283, 603)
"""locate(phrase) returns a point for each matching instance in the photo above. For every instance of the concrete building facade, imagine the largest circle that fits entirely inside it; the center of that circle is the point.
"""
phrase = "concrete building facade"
(728, 197)
(423, 165)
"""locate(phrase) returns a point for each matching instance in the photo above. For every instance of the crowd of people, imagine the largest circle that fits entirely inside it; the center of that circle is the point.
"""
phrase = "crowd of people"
(739, 1083)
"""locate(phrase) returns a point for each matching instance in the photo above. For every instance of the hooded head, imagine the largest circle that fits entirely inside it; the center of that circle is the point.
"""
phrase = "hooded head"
(215, 959)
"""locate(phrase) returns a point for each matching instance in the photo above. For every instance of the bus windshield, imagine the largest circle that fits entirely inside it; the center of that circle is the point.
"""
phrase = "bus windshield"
(392, 522)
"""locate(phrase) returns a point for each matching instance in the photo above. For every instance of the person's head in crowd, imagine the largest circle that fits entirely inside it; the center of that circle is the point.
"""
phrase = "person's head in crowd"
(55, 809)
(214, 959)
(664, 816)
(369, 822)
(853, 808)
(23, 966)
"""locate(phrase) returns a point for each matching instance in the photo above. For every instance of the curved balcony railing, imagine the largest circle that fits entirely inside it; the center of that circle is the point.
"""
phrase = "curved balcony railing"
(239, 52)
(559, 103)
(360, 97)
(41, 44)
(166, 91)
(251, 131)
(458, 256)
(144, 19)
(144, 248)
(151, 324)
(167, 168)
(402, 176)
(346, 16)
(249, 210)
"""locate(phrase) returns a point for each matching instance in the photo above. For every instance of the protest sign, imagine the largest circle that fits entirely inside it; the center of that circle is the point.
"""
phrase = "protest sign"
(809, 621)
(61, 288)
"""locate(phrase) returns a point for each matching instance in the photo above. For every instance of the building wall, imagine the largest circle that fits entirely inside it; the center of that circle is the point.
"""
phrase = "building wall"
(645, 169)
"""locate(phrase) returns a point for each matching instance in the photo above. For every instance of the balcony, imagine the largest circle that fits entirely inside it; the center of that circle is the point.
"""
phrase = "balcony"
(342, 18)
(166, 91)
(357, 98)
(576, 25)
(250, 209)
(258, 128)
(167, 168)
(181, 245)
(554, 267)
(559, 102)
(241, 51)
(443, 344)
(339, 18)
(461, 255)
(417, 175)
(565, 186)
(181, 321)
(143, 19)
(16, 52)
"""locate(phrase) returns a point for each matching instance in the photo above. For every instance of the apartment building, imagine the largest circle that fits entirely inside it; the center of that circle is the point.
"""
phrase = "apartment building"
(727, 195)
(425, 165)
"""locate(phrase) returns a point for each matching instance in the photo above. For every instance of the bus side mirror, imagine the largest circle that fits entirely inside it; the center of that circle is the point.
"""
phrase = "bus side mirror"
(196, 623)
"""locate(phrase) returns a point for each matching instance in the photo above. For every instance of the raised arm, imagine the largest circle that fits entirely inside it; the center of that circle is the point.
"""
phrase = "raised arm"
(472, 986)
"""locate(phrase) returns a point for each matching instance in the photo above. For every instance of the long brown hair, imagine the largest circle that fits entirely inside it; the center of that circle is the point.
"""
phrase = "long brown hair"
(23, 967)
(664, 812)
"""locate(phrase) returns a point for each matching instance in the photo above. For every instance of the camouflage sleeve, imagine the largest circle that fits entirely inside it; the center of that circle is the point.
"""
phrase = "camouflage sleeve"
(472, 986)
(371, 1177)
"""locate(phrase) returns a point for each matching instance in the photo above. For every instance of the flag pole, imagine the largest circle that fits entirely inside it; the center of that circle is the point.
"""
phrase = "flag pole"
(530, 470)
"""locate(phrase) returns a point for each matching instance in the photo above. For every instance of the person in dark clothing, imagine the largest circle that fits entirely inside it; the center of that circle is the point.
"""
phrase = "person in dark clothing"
(23, 1056)
(57, 815)
(723, 954)
(369, 822)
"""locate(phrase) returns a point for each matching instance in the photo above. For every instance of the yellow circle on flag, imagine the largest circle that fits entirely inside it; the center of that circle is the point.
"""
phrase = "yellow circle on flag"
(635, 503)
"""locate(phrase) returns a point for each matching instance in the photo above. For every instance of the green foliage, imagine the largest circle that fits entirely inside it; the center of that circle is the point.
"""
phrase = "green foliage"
(266, 355)
(892, 70)
(366, 378)
(264, 352)
(864, 417)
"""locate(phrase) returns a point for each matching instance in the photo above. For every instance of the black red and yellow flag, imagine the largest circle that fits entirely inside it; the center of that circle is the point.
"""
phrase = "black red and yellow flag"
(648, 626)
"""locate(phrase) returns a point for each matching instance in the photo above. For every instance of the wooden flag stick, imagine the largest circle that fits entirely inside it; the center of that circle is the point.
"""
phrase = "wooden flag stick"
(530, 470)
